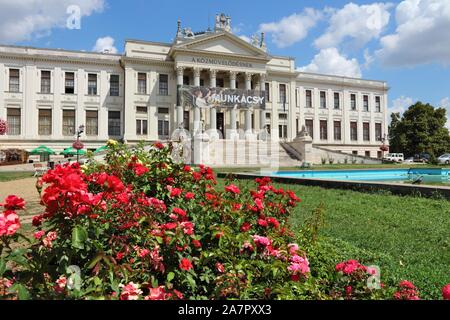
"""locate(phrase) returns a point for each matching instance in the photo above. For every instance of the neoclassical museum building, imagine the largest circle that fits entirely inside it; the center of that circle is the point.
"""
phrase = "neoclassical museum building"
(202, 82)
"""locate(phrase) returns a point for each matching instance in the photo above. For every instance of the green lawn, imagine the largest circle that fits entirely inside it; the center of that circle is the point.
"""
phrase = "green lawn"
(8, 176)
(409, 238)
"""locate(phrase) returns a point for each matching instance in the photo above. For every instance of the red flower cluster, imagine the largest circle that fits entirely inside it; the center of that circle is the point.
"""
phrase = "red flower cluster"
(446, 292)
(350, 266)
(9, 220)
(407, 291)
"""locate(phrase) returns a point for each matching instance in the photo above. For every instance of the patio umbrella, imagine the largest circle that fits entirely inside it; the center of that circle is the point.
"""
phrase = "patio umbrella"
(100, 149)
(72, 151)
(42, 150)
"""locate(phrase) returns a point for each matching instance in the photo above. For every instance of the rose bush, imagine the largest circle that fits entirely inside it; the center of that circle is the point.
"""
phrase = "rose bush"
(141, 226)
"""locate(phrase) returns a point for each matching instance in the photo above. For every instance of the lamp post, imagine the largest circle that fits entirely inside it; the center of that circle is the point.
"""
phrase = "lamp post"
(77, 144)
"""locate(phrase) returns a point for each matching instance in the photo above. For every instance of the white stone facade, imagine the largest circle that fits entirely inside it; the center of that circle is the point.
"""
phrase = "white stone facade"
(134, 96)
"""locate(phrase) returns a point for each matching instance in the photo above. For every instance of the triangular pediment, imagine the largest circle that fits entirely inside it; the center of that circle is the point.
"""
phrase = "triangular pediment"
(221, 43)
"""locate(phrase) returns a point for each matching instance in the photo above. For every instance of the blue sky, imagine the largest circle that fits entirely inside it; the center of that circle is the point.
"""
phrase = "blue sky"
(406, 43)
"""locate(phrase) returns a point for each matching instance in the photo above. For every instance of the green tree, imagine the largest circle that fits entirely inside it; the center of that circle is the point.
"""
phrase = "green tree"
(420, 129)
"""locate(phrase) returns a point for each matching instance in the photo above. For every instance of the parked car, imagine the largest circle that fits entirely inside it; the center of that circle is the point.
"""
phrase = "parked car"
(445, 158)
(422, 157)
(409, 160)
(396, 157)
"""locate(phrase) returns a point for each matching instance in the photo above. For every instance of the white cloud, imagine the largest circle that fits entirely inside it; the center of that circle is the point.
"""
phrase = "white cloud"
(368, 59)
(330, 61)
(22, 20)
(105, 44)
(357, 23)
(422, 35)
(445, 103)
(245, 38)
(401, 104)
(293, 28)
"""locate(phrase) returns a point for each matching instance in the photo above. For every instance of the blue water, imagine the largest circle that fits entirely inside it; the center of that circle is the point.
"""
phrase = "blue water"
(431, 174)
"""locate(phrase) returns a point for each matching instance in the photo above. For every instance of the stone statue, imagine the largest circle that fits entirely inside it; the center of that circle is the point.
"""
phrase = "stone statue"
(223, 22)
(255, 40)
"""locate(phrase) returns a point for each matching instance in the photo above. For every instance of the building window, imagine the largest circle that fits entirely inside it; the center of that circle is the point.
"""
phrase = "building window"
(92, 84)
(268, 128)
(163, 127)
(323, 130)
(282, 116)
(114, 123)
(186, 80)
(309, 126)
(323, 99)
(366, 131)
(114, 85)
(141, 110)
(202, 82)
(379, 154)
(267, 91)
(308, 98)
(68, 122)
(336, 100)
(69, 83)
(367, 154)
(282, 131)
(45, 122)
(141, 127)
(355, 152)
(337, 130)
(378, 136)
(163, 110)
(377, 104)
(91, 122)
(353, 101)
(142, 83)
(366, 103)
(282, 93)
(220, 83)
(164, 84)
(14, 80)
(13, 119)
(353, 131)
(186, 120)
(45, 81)
(267, 115)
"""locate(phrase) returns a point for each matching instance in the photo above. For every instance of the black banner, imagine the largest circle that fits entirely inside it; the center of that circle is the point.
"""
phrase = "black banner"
(206, 97)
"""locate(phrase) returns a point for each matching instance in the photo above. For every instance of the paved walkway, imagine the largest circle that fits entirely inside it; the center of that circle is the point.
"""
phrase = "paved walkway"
(24, 188)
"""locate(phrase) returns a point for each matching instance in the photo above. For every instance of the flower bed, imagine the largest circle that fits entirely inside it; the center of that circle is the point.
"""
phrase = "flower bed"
(141, 226)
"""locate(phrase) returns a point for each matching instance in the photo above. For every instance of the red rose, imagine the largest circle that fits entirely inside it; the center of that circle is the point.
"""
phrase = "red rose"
(232, 189)
(140, 169)
(446, 292)
(189, 196)
(159, 145)
(175, 192)
(196, 243)
(13, 203)
(220, 267)
(262, 222)
(179, 212)
(185, 264)
(245, 227)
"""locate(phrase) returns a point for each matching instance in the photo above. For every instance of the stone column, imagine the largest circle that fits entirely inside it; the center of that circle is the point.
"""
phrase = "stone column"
(262, 111)
(213, 111)
(248, 111)
(233, 112)
(197, 111)
(180, 117)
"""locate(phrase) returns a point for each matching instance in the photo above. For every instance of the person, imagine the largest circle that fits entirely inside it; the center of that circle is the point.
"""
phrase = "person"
(200, 97)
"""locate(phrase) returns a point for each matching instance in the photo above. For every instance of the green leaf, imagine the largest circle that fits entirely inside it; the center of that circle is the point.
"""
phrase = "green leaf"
(79, 237)
(170, 276)
(95, 260)
(22, 292)
(2, 267)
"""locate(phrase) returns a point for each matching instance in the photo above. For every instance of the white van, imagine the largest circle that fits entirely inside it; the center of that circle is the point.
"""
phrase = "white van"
(397, 157)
